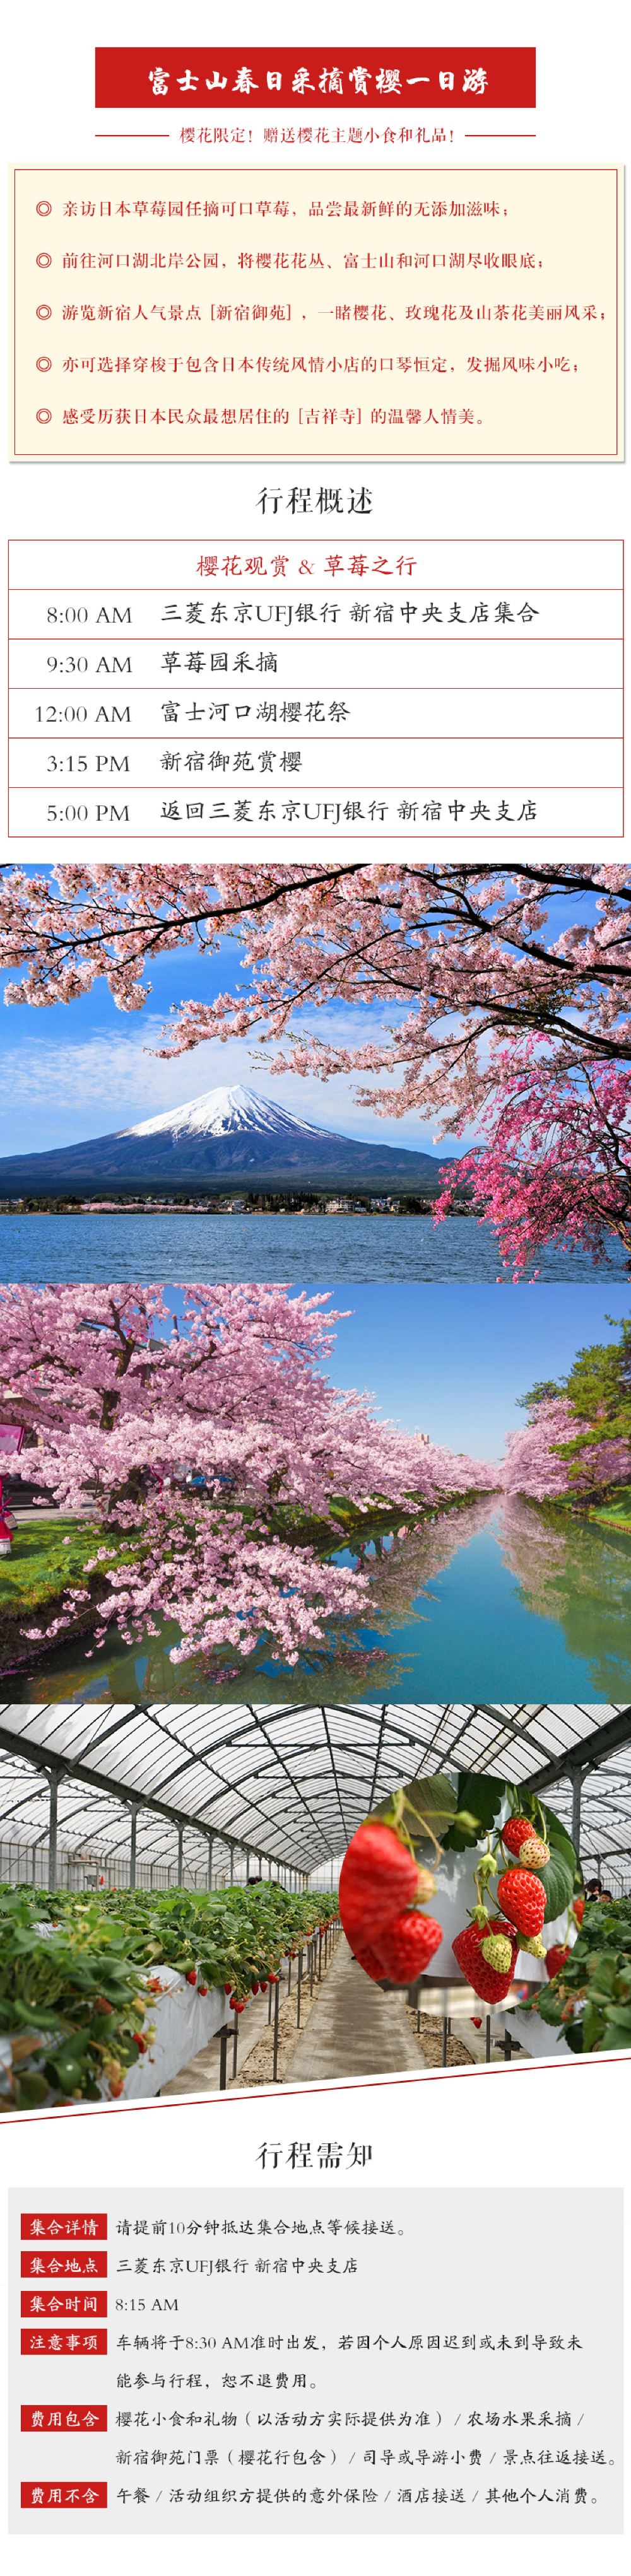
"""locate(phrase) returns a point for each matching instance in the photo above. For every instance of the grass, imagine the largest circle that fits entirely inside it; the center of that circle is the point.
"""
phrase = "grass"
(48, 1555)
(40, 1564)
(616, 1514)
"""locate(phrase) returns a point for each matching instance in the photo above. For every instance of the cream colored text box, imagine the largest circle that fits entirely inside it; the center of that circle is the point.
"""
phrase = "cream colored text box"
(453, 314)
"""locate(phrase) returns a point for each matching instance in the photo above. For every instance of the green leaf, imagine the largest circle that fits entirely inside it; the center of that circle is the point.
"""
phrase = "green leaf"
(573, 2036)
(560, 1841)
(591, 2027)
(427, 1802)
(557, 1880)
(479, 1800)
(616, 2034)
(550, 2003)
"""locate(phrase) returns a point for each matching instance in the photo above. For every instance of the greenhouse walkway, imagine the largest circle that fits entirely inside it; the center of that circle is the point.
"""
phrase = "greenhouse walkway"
(354, 2029)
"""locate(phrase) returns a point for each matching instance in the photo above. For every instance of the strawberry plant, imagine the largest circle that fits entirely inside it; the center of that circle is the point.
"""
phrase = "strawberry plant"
(73, 2002)
(388, 1876)
(589, 1999)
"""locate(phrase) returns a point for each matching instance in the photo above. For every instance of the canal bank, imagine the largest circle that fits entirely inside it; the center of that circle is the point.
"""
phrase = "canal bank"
(481, 1602)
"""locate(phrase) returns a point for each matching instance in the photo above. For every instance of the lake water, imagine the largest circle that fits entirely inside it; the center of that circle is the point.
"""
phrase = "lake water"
(496, 1603)
(309, 1249)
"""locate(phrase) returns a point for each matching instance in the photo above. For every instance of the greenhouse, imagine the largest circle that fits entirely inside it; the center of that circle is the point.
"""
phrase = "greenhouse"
(205, 1843)
(190, 1796)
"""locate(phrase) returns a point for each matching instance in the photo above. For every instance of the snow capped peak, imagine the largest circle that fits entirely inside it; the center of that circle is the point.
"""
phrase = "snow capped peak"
(224, 1112)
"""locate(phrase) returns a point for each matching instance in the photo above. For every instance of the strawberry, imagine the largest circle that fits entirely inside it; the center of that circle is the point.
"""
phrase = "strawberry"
(578, 1908)
(141, 2043)
(191, 1976)
(228, 1988)
(519, 1837)
(515, 1832)
(477, 2021)
(101, 2005)
(523, 1899)
(254, 1986)
(406, 1945)
(497, 1949)
(202, 1990)
(467, 1949)
(378, 1879)
(556, 1958)
(372, 1966)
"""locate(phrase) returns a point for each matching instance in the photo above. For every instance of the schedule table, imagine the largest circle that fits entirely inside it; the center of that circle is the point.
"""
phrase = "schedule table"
(315, 688)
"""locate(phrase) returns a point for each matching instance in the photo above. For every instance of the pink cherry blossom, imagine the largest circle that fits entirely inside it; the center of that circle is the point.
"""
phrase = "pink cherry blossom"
(479, 1012)
(121, 1410)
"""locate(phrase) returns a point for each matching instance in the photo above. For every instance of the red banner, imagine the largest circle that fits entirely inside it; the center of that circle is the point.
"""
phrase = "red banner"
(71, 2223)
(62, 2343)
(63, 2304)
(408, 78)
(63, 2419)
(79, 2265)
(63, 2499)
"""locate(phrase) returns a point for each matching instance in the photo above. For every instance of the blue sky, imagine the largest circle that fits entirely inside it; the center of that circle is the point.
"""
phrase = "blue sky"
(82, 1069)
(453, 1360)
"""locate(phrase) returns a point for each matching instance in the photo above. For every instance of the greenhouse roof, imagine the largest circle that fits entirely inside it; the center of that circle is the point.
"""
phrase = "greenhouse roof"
(290, 1784)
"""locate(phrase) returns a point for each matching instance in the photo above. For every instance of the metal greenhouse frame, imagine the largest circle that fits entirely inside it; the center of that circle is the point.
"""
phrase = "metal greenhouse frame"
(196, 1793)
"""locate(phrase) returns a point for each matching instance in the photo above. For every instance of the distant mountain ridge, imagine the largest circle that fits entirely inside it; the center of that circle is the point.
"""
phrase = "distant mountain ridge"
(221, 1137)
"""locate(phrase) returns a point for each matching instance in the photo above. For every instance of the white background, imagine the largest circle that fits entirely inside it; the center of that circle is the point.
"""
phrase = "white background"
(518, 2126)
(522, 2124)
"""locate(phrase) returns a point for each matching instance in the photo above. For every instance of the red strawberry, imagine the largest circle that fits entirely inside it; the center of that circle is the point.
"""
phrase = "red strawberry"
(140, 2042)
(254, 1986)
(191, 1976)
(520, 1838)
(378, 1879)
(202, 1990)
(101, 2005)
(515, 1832)
(523, 1899)
(578, 1908)
(556, 1958)
(406, 1945)
(477, 2021)
(467, 1949)
(367, 1959)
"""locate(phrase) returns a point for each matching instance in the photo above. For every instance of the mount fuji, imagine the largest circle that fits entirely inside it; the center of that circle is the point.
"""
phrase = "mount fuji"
(224, 1136)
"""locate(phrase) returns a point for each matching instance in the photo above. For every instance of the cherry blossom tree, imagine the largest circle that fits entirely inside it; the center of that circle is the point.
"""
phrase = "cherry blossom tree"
(126, 1408)
(550, 1457)
(496, 1000)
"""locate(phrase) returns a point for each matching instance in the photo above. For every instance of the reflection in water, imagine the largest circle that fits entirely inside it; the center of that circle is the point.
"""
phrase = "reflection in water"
(496, 1601)
(401, 1568)
(578, 1574)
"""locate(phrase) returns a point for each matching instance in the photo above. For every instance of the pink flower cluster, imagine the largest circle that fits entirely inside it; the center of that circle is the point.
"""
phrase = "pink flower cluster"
(496, 999)
(205, 1455)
